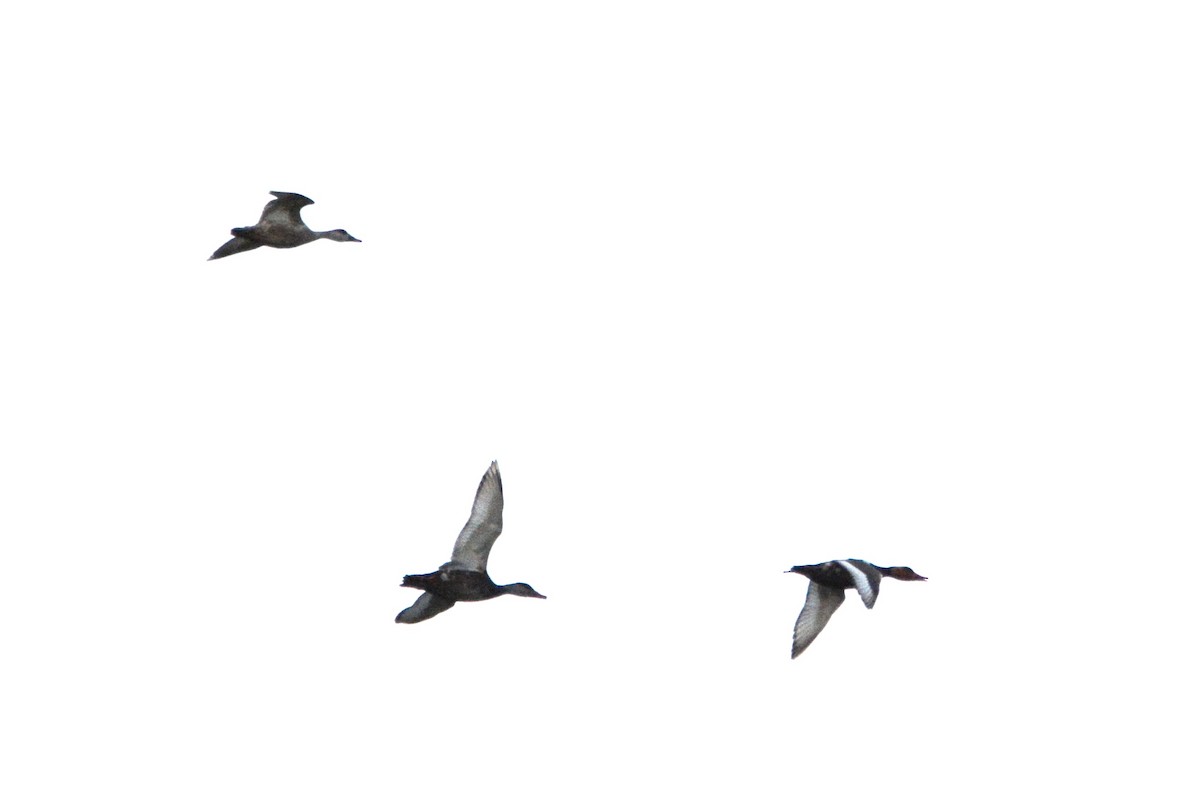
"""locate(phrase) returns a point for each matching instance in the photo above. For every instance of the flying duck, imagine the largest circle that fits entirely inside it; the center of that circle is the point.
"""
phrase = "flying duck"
(279, 226)
(827, 591)
(464, 576)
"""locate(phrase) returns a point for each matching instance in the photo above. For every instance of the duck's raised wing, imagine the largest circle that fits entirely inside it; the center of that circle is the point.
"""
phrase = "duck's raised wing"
(866, 579)
(479, 534)
(284, 210)
(819, 606)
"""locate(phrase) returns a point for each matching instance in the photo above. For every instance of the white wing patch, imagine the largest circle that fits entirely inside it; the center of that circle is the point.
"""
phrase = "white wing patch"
(474, 543)
(868, 589)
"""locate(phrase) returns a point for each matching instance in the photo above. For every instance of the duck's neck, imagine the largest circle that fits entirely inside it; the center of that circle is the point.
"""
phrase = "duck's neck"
(900, 573)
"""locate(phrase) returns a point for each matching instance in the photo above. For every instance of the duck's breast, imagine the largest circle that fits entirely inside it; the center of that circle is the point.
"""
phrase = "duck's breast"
(274, 235)
(468, 585)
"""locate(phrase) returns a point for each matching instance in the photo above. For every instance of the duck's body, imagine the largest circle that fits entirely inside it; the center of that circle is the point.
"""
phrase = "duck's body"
(464, 577)
(827, 591)
(279, 226)
(467, 585)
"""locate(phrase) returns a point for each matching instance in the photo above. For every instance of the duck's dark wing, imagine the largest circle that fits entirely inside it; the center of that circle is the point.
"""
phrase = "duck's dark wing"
(819, 606)
(427, 605)
(235, 245)
(284, 210)
(479, 534)
(866, 579)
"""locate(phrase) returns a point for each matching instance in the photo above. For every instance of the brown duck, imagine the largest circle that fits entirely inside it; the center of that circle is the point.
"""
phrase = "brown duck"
(464, 577)
(279, 226)
(827, 591)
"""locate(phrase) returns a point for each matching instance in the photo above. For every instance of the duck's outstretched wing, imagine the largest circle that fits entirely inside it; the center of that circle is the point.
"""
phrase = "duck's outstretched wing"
(235, 245)
(284, 210)
(427, 605)
(819, 606)
(866, 579)
(479, 534)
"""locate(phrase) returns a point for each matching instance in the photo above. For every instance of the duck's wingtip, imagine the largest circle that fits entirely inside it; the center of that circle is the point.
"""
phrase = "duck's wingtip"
(303, 200)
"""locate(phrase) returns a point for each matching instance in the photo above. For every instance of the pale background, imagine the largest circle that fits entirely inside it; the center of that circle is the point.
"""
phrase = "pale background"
(724, 287)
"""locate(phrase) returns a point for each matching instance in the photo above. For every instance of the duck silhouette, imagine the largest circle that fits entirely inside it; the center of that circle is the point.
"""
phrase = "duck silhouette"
(279, 226)
(827, 590)
(464, 577)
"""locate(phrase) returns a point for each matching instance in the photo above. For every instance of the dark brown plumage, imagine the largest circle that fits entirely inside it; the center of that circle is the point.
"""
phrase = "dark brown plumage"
(279, 226)
(827, 591)
(464, 577)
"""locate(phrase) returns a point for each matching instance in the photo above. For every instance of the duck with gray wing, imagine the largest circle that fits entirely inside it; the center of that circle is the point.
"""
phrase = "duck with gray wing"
(827, 591)
(465, 577)
(279, 226)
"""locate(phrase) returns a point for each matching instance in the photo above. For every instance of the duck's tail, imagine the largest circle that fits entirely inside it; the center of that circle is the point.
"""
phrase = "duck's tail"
(422, 582)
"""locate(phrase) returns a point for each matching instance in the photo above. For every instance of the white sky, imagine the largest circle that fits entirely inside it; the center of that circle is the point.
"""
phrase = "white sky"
(724, 287)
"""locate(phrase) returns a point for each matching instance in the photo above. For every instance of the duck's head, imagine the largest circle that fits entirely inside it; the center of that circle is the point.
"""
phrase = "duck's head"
(521, 590)
(339, 236)
(903, 574)
(807, 570)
